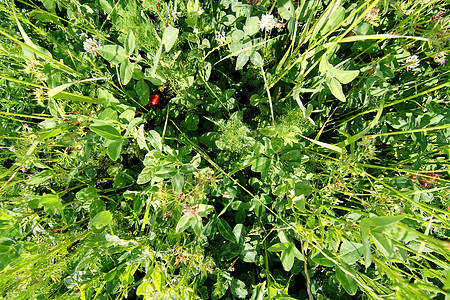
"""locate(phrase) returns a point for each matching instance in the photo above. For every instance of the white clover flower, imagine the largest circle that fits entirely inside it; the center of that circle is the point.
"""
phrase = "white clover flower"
(221, 38)
(175, 13)
(91, 46)
(412, 62)
(267, 22)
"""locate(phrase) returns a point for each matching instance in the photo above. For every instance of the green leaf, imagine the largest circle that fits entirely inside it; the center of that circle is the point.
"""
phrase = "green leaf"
(166, 172)
(287, 258)
(278, 247)
(261, 164)
(385, 222)
(320, 259)
(251, 26)
(384, 245)
(365, 229)
(237, 288)
(143, 91)
(88, 194)
(126, 71)
(225, 230)
(130, 43)
(350, 252)
(40, 177)
(101, 220)
(344, 76)
(348, 282)
(155, 139)
(113, 53)
(256, 59)
(170, 36)
(241, 60)
(51, 204)
(178, 183)
(114, 149)
(106, 131)
(183, 223)
(336, 88)
(145, 175)
(286, 9)
(96, 207)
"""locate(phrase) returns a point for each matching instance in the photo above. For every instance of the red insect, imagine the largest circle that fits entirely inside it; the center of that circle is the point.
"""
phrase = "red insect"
(154, 99)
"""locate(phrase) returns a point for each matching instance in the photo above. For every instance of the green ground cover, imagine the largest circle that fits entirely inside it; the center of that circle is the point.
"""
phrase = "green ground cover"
(224, 149)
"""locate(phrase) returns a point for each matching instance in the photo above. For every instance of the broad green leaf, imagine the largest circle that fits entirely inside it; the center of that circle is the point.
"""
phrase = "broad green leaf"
(344, 76)
(106, 131)
(106, 98)
(348, 282)
(286, 9)
(237, 288)
(158, 278)
(88, 194)
(385, 222)
(248, 254)
(113, 53)
(170, 36)
(320, 259)
(166, 172)
(251, 26)
(336, 88)
(183, 223)
(41, 177)
(241, 60)
(155, 139)
(51, 204)
(143, 91)
(96, 207)
(278, 247)
(350, 252)
(225, 230)
(126, 71)
(384, 245)
(133, 123)
(219, 289)
(256, 59)
(130, 43)
(261, 164)
(101, 220)
(142, 288)
(145, 175)
(114, 149)
(287, 258)
(178, 182)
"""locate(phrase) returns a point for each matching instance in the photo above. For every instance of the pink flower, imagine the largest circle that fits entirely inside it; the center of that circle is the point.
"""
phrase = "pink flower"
(190, 210)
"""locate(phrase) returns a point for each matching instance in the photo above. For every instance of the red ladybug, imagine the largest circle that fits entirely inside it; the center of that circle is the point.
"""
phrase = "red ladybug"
(154, 99)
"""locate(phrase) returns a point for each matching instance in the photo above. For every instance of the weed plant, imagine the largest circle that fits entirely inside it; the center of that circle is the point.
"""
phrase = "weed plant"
(227, 149)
